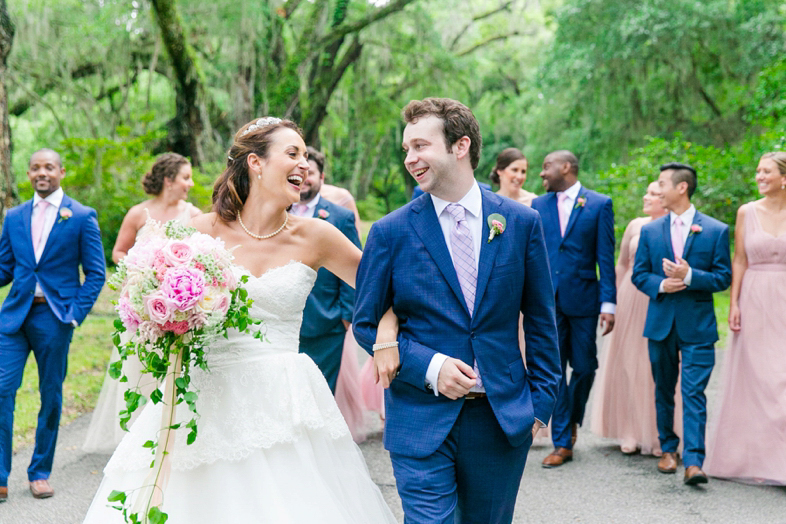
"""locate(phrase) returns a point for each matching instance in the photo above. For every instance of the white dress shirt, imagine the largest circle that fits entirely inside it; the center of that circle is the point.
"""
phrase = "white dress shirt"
(572, 193)
(310, 205)
(473, 204)
(54, 200)
(687, 221)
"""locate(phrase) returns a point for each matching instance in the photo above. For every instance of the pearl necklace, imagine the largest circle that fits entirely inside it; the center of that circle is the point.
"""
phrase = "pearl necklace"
(263, 237)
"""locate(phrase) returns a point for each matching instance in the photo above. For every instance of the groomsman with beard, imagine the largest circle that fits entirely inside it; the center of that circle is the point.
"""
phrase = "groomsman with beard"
(682, 259)
(579, 229)
(328, 312)
(44, 243)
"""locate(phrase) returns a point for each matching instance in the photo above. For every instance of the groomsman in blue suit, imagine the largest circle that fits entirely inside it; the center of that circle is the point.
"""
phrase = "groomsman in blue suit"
(682, 259)
(43, 244)
(458, 265)
(579, 227)
(328, 312)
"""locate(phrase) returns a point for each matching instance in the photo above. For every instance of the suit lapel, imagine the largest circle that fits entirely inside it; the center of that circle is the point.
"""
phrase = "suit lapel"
(576, 211)
(667, 237)
(691, 235)
(551, 218)
(424, 221)
(488, 250)
(27, 233)
(320, 205)
(53, 234)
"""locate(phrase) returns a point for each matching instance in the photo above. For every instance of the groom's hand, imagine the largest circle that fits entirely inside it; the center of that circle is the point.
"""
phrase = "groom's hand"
(455, 378)
(386, 364)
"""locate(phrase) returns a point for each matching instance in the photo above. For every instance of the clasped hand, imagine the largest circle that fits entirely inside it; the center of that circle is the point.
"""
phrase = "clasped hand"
(675, 273)
(455, 378)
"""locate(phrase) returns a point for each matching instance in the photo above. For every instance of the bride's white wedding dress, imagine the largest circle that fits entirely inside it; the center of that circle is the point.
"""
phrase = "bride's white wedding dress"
(272, 445)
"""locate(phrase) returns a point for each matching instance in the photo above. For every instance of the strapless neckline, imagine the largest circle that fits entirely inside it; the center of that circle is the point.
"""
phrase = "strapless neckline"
(247, 271)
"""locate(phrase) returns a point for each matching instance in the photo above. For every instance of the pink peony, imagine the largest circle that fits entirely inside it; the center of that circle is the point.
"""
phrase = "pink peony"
(128, 314)
(158, 307)
(177, 253)
(184, 287)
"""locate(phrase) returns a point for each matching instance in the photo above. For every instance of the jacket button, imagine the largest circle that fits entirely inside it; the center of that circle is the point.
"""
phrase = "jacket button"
(472, 335)
(557, 272)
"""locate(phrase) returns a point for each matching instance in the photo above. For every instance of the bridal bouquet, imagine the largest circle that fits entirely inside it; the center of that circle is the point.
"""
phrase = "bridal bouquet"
(177, 291)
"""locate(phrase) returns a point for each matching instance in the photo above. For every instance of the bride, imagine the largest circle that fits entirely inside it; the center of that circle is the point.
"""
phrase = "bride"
(272, 445)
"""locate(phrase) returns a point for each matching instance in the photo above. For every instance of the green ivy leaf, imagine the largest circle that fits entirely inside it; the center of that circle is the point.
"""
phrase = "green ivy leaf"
(156, 516)
(117, 496)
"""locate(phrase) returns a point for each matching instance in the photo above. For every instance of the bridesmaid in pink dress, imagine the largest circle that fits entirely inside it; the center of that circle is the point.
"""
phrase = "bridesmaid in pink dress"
(624, 402)
(748, 441)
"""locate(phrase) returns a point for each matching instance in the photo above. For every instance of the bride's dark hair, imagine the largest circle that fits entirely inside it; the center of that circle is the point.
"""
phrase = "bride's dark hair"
(231, 188)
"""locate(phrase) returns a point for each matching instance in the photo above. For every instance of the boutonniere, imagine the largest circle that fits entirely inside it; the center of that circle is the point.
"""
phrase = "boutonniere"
(496, 225)
(580, 202)
(695, 229)
(65, 214)
(323, 214)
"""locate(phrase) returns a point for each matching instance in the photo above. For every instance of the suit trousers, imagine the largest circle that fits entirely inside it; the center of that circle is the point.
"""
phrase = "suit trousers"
(697, 363)
(49, 340)
(576, 347)
(472, 478)
(325, 351)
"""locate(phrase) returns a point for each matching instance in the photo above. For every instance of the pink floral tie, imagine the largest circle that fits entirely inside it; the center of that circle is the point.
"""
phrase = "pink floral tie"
(38, 223)
(564, 215)
(677, 244)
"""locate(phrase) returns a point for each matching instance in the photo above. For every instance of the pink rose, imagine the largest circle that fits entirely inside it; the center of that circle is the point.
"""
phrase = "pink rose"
(178, 253)
(158, 308)
(497, 224)
(230, 280)
(695, 228)
(128, 314)
(183, 286)
(179, 328)
(221, 304)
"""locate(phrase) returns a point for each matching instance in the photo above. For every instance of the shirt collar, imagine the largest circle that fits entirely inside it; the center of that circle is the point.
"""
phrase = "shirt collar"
(686, 217)
(54, 199)
(311, 204)
(573, 191)
(472, 201)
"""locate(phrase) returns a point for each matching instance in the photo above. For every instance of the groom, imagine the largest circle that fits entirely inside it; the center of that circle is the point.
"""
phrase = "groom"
(463, 404)
(682, 259)
(44, 243)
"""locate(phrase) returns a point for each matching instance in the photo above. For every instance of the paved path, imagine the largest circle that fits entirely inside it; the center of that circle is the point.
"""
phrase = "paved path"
(600, 486)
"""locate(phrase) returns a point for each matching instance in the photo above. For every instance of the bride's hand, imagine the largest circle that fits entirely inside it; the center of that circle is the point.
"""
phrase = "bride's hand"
(386, 361)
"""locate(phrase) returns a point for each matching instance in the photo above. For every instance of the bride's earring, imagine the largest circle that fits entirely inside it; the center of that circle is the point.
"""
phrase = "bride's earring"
(259, 177)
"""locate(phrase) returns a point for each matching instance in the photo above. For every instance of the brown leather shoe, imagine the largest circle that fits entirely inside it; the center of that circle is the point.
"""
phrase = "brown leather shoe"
(41, 489)
(668, 462)
(558, 457)
(694, 475)
(3, 493)
(574, 434)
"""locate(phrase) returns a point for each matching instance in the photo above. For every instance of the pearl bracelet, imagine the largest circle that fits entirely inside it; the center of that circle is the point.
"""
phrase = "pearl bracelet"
(386, 345)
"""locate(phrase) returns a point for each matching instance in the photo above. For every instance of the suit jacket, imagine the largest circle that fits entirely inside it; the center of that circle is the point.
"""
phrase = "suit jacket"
(331, 300)
(72, 243)
(588, 241)
(406, 264)
(690, 310)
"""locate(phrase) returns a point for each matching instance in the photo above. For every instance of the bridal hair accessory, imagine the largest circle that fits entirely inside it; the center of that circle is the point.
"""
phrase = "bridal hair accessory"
(497, 225)
(386, 345)
(263, 237)
(262, 122)
(230, 158)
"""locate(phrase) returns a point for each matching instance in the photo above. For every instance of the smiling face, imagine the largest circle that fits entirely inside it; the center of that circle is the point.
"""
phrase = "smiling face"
(512, 177)
(553, 173)
(312, 183)
(285, 167)
(429, 160)
(651, 201)
(671, 196)
(45, 172)
(768, 178)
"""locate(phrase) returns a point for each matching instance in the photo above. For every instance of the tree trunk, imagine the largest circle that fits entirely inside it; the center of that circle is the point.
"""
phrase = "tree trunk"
(8, 194)
(190, 122)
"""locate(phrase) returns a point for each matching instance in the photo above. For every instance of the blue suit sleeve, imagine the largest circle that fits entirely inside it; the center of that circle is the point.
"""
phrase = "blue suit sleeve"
(7, 260)
(93, 266)
(346, 297)
(540, 325)
(605, 254)
(718, 277)
(644, 278)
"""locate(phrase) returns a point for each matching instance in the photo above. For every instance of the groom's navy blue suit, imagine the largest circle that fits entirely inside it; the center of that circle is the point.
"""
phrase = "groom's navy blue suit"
(44, 328)
(406, 264)
(588, 242)
(683, 324)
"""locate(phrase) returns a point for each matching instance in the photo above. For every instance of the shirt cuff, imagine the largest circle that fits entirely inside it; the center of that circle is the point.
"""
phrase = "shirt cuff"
(74, 323)
(660, 287)
(608, 307)
(539, 423)
(432, 373)
(688, 277)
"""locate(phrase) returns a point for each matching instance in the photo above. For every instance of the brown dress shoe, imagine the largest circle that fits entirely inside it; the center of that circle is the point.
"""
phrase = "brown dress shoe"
(558, 457)
(574, 434)
(41, 489)
(694, 475)
(3, 493)
(668, 462)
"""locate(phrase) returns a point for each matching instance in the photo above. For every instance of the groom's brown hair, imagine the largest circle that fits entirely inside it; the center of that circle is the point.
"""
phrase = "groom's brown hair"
(457, 121)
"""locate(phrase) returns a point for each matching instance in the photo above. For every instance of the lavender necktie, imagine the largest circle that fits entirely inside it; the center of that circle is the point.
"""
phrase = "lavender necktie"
(677, 244)
(463, 254)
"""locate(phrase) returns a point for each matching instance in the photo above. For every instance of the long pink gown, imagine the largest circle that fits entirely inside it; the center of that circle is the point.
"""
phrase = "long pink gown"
(748, 437)
(624, 402)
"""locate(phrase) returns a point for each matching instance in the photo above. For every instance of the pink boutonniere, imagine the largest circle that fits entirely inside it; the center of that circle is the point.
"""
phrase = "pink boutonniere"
(323, 214)
(695, 229)
(496, 225)
(580, 202)
(65, 214)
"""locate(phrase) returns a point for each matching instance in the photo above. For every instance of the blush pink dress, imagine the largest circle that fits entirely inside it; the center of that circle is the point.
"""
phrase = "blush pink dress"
(748, 437)
(624, 402)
